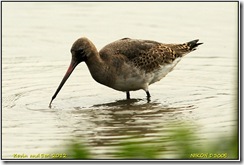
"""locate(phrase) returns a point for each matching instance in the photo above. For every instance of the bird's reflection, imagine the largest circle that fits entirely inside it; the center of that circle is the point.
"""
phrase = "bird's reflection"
(118, 104)
(107, 124)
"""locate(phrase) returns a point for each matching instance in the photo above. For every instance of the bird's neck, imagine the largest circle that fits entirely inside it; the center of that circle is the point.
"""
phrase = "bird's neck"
(98, 68)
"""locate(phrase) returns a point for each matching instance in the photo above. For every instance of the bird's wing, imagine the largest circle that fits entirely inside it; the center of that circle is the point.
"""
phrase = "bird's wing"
(129, 48)
(146, 54)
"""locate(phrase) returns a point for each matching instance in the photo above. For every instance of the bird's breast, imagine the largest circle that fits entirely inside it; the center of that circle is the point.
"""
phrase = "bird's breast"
(132, 78)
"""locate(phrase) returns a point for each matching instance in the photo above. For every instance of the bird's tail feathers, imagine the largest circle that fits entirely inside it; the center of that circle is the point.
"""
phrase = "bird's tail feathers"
(193, 44)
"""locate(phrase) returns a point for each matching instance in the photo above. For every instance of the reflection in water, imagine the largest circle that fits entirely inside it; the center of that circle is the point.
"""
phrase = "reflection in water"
(110, 123)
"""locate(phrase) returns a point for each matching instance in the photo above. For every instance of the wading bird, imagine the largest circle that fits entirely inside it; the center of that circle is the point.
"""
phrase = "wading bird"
(127, 64)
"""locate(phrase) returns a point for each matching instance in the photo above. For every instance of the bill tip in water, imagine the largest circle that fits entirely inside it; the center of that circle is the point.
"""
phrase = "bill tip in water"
(50, 104)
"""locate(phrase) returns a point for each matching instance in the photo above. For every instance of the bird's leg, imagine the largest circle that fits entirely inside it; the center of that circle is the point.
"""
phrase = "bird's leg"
(127, 95)
(148, 96)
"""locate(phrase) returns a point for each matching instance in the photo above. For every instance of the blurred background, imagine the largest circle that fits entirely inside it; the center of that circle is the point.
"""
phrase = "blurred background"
(194, 109)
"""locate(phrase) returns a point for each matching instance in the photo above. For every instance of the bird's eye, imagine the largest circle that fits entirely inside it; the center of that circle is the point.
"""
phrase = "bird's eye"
(80, 51)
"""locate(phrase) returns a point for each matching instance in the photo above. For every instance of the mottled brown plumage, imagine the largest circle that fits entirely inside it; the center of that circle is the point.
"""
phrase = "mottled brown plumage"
(145, 54)
(127, 64)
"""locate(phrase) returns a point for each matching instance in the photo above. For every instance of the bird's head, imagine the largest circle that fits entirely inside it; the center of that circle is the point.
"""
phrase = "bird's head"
(81, 50)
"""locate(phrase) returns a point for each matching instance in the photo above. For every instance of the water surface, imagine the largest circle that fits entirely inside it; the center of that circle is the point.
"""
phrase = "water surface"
(36, 42)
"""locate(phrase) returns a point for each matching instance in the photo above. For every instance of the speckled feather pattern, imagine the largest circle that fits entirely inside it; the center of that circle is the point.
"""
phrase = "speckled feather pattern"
(145, 54)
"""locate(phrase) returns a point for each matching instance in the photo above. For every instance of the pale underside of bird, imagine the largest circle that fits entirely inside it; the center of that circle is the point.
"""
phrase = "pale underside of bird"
(127, 64)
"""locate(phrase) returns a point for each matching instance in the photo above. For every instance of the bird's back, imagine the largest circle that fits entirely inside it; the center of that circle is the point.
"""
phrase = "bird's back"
(130, 48)
(146, 54)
